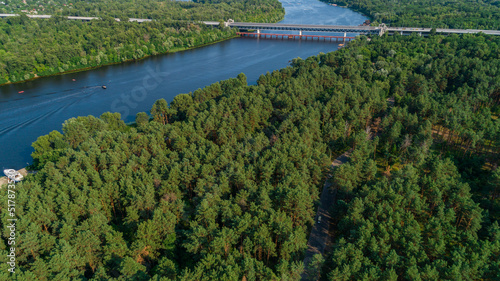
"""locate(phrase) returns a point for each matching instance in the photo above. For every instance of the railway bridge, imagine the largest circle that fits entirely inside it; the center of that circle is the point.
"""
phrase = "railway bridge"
(343, 29)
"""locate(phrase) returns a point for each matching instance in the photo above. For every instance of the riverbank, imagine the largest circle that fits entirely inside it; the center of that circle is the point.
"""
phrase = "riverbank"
(175, 50)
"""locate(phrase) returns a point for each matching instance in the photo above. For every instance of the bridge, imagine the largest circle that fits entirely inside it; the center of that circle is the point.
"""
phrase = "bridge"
(295, 36)
(305, 27)
(258, 27)
(380, 30)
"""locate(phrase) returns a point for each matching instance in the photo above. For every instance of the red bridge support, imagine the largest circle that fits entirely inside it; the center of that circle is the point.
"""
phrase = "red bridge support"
(295, 36)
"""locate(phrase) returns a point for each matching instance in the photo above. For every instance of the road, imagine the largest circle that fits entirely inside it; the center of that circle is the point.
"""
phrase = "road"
(319, 237)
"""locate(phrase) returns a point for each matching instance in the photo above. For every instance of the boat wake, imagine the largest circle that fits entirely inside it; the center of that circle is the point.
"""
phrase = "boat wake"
(28, 110)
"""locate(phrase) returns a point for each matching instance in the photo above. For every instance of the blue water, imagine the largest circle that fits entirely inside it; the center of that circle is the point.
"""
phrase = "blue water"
(134, 86)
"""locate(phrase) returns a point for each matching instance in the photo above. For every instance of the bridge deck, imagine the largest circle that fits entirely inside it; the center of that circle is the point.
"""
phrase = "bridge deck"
(295, 36)
(305, 27)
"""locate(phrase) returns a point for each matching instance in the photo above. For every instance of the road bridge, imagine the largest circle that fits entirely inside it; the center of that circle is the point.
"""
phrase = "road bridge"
(295, 36)
(305, 27)
(258, 27)
(380, 30)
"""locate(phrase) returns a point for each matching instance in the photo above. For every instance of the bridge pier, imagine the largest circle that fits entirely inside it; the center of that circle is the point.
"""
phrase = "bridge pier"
(294, 36)
(382, 29)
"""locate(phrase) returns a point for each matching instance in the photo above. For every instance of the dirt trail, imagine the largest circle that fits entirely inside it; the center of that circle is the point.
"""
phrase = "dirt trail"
(320, 233)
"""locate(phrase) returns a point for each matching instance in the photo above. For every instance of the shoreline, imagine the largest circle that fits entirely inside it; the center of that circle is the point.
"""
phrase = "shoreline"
(113, 63)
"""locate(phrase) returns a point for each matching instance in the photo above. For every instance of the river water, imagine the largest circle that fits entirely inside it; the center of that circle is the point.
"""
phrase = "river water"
(134, 86)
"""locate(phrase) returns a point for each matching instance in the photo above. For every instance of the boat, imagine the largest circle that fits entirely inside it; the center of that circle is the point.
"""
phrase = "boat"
(20, 92)
(13, 175)
(74, 80)
(104, 87)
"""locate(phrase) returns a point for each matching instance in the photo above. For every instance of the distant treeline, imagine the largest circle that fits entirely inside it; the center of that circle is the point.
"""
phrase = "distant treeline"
(221, 184)
(241, 10)
(466, 14)
(38, 47)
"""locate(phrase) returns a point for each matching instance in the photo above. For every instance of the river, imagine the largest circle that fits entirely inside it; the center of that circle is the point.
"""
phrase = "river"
(134, 86)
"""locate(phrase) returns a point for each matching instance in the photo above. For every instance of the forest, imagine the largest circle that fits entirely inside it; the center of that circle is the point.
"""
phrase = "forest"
(223, 183)
(31, 48)
(461, 14)
(240, 10)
